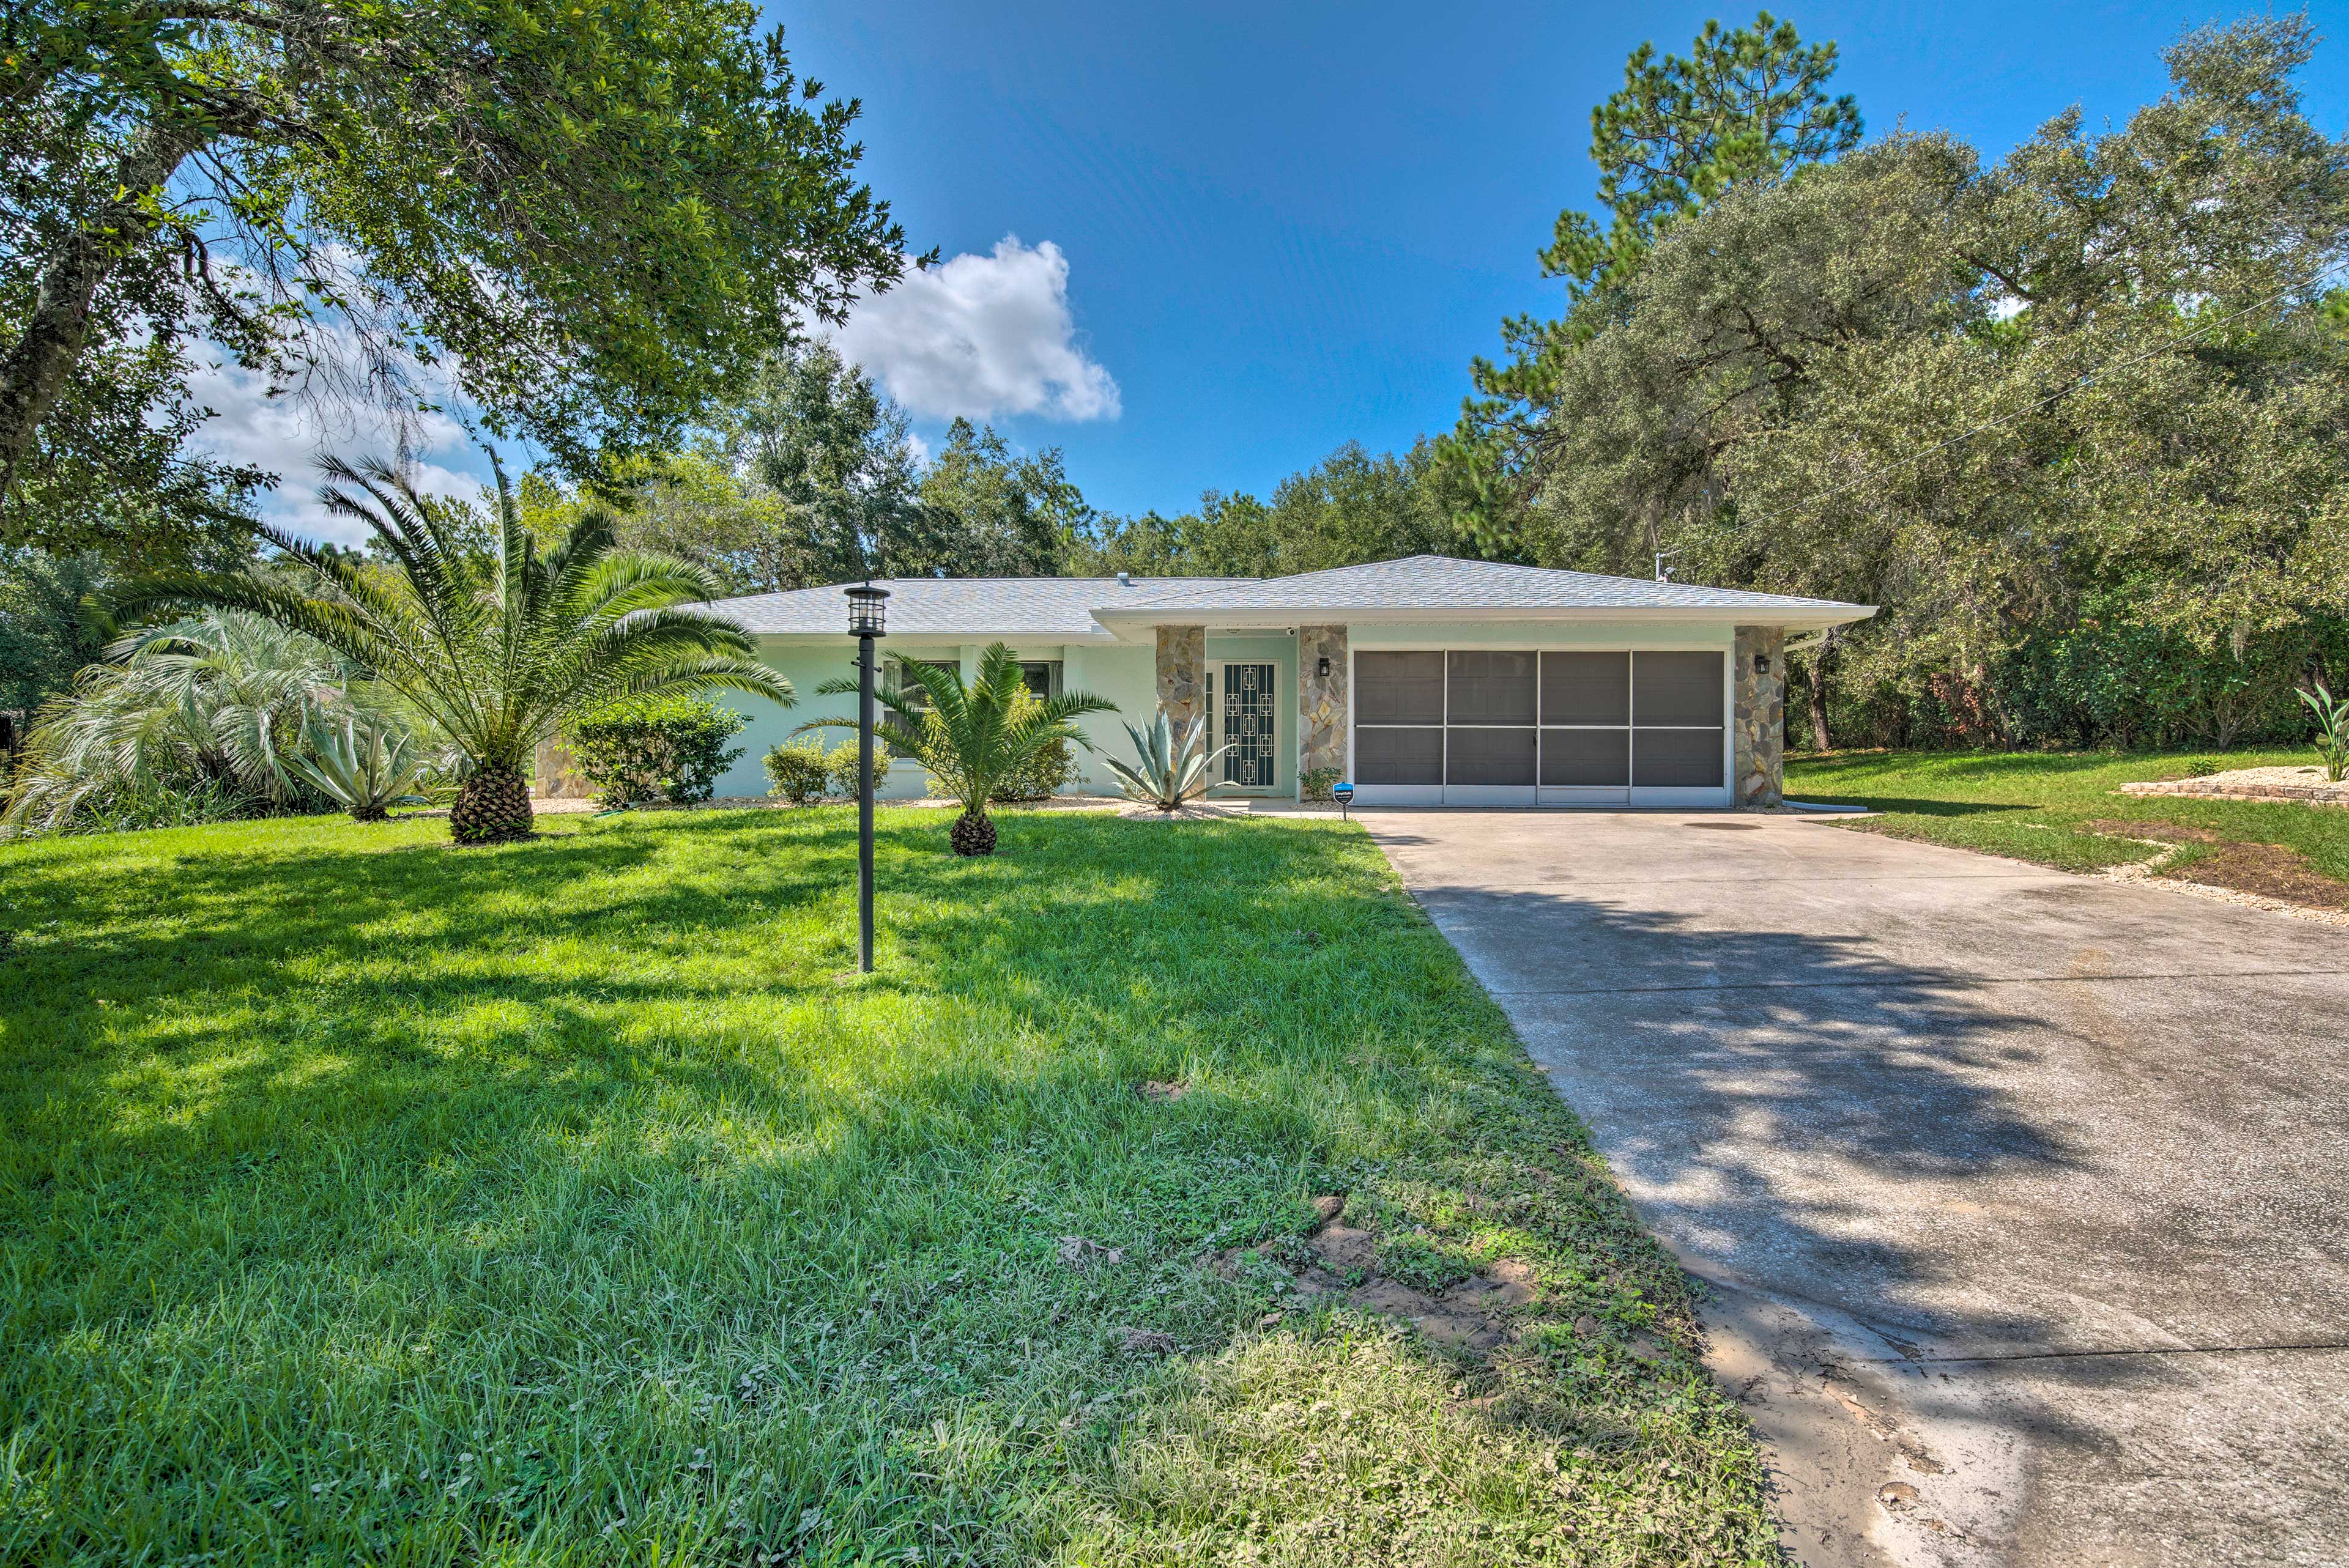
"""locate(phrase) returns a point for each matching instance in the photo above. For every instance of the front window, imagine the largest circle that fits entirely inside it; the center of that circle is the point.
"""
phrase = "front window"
(893, 677)
(1042, 676)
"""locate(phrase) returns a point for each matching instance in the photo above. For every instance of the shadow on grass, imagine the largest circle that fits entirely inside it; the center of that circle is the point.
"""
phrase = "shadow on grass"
(649, 1022)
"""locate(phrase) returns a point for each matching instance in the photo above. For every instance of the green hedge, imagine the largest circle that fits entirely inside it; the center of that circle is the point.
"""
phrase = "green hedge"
(655, 748)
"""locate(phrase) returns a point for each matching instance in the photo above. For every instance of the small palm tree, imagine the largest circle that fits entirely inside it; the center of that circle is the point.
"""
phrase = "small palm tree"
(219, 701)
(971, 738)
(494, 647)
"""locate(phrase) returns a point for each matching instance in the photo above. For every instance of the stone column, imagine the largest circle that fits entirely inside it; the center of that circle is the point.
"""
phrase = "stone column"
(1321, 710)
(1183, 674)
(1761, 769)
(551, 774)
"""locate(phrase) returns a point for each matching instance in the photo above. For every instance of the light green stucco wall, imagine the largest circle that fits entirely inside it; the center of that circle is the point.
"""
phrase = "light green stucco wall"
(1119, 672)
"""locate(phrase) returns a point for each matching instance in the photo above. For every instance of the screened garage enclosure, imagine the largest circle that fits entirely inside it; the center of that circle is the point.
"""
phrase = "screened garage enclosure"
(1522, 727)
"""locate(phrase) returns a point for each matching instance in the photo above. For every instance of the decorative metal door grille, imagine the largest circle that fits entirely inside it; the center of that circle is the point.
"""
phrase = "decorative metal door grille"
(1247, 724)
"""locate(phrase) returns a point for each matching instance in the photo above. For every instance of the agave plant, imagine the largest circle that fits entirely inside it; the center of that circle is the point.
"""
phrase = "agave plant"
(2332, 730)
(366, 764)
(211, 706)
(494, 647)
(1172, 770)
(972, 739)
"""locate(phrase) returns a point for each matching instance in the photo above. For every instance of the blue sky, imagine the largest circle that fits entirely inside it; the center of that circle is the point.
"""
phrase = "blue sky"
(1248, 233)
(1287, 226)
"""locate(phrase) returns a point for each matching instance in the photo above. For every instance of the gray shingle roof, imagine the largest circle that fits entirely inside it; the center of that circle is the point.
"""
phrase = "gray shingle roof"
(1440, 582)
(1045, 607)
(1424, 586)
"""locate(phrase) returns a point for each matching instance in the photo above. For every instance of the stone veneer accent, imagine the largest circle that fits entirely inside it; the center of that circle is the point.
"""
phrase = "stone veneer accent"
(552, 775)
(1321, 699)
(1760, 775)
(1182, 673)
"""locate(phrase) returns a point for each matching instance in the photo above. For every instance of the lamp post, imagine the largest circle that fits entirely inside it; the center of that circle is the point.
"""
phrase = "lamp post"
(865, 617)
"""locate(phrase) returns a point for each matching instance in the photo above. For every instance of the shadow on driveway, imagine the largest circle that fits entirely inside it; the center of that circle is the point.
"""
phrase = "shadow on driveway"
(2020, 1195)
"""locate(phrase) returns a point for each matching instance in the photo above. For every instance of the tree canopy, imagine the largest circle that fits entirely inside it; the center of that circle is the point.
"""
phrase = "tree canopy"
(2079, 421)
(1748, 104)
(595, 220)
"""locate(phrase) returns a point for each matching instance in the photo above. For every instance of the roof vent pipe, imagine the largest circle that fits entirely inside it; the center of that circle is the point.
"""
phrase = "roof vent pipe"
(1125, 580)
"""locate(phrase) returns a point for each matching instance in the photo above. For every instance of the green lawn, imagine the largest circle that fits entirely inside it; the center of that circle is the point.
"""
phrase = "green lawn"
(366, 1199)
(2034, 806)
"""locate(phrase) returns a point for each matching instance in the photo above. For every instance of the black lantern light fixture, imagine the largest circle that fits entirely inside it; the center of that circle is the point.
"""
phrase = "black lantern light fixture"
(1321, 667)
(867, 615)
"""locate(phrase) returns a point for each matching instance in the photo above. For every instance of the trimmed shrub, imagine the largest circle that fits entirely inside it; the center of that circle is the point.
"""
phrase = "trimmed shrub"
(843, 765)
(798, 771)
(1321, 784)
(1041, 776)
(655, 748)
(803, 772)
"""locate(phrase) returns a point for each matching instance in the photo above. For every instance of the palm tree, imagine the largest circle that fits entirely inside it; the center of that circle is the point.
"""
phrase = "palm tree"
(221, 701)
(494, 646)
(971, 737)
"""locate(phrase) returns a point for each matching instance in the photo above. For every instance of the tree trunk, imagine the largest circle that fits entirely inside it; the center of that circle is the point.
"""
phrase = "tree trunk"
(1815, 691)
(34, 368)
(492, 807)
(973, 833)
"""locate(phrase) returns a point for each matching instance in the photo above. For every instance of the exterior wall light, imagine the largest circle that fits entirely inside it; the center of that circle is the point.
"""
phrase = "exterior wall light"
(1761, 664)
(1321, 667)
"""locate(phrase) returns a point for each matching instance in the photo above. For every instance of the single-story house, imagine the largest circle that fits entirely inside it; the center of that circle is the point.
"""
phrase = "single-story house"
(1422, 681)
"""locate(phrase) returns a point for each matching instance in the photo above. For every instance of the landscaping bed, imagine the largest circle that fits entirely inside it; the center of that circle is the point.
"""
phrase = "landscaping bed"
(2173, 815)
(1167, 1196)
(2304, 784)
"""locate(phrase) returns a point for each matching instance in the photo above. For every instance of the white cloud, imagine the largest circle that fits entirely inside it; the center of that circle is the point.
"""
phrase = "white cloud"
(286, 435)
(981, 337)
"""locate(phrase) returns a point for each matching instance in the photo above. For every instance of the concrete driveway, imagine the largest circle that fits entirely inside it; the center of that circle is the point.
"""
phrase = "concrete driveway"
(2025, 1197)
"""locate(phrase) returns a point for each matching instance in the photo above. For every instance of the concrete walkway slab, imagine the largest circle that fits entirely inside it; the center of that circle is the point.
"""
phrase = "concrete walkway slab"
(2024, 1197)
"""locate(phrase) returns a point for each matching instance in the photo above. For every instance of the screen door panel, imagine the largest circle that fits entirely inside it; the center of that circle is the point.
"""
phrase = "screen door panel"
(1585, 688)
(1247, 724)
(1587, 759)
(1394, 754)
(1676, 690)
(1399, 689)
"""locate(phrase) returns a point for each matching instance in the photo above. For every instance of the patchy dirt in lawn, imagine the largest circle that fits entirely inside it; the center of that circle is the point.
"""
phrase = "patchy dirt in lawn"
(1340, 1262)
(2269, 871)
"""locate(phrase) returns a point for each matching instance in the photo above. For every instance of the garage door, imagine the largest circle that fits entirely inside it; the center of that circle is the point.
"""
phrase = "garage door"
(1485, 727)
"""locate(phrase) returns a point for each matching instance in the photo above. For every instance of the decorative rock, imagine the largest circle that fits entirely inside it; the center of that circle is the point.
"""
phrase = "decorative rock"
(1760, 719)
(1321, 699)
(1182, 673)
(2304, 784)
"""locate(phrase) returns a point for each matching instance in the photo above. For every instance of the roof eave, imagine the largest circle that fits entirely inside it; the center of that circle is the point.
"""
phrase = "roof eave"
(1093, 635)
(1129, 624)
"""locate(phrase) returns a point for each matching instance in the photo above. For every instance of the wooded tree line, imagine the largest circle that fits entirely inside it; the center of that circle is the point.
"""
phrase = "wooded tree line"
(2078, 419)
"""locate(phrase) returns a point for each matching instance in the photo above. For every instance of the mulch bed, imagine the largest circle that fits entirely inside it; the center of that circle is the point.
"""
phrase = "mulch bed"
(2270, 870)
